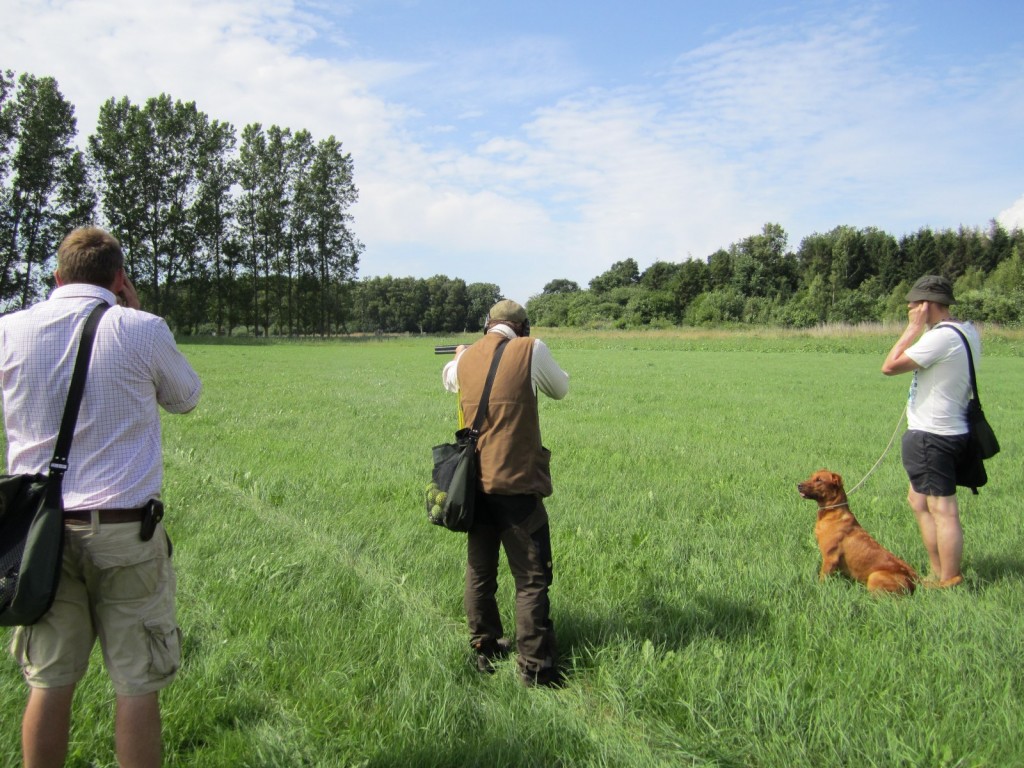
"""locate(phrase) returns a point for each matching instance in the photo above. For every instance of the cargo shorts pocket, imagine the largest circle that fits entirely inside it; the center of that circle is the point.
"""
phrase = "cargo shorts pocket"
(164, 647)
(21, 641)
(128, 568)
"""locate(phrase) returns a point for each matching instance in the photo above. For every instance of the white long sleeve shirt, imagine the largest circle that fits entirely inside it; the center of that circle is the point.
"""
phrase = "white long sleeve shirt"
(546, 374)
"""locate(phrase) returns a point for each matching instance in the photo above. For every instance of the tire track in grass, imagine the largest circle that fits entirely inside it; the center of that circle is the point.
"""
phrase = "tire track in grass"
(274, 515)
(337, 638)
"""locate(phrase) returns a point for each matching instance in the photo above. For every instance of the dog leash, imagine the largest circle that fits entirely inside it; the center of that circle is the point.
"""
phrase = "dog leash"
(872, 470)
(886, 451)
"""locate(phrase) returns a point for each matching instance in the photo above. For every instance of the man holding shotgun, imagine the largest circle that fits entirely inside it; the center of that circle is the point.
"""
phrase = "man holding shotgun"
(514, 479)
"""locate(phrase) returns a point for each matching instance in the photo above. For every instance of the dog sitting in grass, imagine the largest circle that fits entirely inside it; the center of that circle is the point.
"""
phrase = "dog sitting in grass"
(845, 546)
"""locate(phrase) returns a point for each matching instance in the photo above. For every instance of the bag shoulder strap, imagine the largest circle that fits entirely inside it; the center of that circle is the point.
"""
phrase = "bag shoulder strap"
(59, 463)
(970, 357)
(481, 410)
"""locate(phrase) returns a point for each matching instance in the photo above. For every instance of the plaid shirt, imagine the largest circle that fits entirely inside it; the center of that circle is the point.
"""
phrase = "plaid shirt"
(115, 459)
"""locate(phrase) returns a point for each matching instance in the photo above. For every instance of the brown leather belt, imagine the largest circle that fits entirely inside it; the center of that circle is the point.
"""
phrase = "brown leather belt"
(107, 516)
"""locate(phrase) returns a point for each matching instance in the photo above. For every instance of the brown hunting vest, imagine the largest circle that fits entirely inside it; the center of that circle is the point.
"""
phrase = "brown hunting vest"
(512, 459)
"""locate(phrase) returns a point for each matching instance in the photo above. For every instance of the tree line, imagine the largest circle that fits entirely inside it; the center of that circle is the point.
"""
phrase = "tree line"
(847, 275)
(220, 231)
(228, 233)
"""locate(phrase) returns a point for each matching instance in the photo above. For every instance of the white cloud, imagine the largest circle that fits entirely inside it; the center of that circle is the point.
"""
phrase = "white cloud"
(1013, 217)
(239, 61)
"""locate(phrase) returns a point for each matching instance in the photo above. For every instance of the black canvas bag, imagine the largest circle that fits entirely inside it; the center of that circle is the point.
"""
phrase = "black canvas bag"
(32, 512)
(450, 499)
(982, 443)
(451, 494)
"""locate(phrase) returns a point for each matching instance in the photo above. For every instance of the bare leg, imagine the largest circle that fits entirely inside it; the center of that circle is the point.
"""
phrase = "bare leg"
(925, 521)
(949, 535)
(938, 517)
(45, 726)
(137, 731)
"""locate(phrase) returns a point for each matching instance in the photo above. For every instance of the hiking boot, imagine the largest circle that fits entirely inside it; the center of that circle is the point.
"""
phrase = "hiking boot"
(486, 654)
(549, 677)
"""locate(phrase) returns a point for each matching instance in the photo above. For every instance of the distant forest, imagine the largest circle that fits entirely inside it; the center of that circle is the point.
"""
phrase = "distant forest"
(847, 275)
(251, 234)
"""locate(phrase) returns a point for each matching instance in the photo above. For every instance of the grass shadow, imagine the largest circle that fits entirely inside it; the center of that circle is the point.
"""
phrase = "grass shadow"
(993, 568)
(674, 625)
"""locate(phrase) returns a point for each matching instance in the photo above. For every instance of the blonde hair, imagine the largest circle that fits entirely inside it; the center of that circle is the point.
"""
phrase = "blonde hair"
(89, 255)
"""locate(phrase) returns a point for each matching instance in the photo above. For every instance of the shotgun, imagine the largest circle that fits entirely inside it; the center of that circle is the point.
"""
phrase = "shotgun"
(446, 349)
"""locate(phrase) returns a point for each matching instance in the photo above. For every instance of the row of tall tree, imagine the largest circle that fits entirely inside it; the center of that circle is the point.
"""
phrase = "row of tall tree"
(219, 233)
(44, 187)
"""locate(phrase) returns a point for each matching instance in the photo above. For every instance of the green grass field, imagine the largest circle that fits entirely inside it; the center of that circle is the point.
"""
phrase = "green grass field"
(323, 615)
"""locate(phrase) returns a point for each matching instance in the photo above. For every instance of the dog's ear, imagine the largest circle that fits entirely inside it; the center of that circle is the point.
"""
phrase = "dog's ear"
(837, 479)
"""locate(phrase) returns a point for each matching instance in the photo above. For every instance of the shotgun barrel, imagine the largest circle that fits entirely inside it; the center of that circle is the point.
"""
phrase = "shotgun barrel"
(447, 349)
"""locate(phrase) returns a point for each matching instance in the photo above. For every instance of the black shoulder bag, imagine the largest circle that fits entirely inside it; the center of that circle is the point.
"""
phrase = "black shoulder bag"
(32, 511)
(982, 443)
(452, 491)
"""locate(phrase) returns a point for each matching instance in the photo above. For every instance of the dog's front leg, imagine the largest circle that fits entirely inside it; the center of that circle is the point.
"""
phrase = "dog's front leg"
(829, 563)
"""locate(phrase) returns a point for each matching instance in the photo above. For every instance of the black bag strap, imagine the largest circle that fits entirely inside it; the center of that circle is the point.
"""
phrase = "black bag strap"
(970, 358)
(481, 410)
(59, 463)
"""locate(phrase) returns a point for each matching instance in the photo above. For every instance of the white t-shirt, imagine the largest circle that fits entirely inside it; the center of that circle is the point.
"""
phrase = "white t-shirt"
(941, 387)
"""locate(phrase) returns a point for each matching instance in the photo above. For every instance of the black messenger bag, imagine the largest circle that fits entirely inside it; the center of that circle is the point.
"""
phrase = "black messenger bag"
(32, 512)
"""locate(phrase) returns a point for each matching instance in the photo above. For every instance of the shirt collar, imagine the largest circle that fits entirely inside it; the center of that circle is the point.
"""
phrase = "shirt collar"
(84, 291)
(504, 330)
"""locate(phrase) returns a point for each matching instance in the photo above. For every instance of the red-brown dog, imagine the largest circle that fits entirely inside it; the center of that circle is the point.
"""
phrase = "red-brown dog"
(845, 546)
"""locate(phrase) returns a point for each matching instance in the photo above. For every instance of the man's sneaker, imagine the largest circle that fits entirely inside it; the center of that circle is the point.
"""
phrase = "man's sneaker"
(485, 656)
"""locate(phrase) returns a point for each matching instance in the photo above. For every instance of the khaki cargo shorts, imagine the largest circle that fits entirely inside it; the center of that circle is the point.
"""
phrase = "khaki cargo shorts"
(118, 588)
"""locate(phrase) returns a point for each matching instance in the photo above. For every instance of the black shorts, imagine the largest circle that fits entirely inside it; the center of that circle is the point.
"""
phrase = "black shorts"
(931, 460)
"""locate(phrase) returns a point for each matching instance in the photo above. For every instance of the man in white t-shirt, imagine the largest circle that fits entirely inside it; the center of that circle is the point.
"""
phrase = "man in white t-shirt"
(936, 436)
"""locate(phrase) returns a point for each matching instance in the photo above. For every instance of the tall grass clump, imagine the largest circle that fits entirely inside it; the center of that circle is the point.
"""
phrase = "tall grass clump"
(323, 615)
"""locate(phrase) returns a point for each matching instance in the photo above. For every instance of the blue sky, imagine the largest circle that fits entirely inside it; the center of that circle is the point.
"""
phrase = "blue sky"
(519, 142)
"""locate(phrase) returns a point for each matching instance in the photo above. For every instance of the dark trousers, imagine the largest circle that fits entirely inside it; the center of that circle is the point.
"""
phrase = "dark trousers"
(520, 525)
